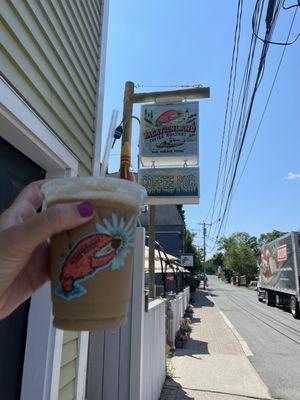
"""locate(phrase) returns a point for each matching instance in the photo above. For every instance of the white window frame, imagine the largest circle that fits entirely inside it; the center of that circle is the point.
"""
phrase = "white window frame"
(42, 362)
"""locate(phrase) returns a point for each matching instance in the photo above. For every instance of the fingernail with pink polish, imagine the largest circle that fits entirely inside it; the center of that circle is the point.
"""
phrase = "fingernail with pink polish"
(85, 209)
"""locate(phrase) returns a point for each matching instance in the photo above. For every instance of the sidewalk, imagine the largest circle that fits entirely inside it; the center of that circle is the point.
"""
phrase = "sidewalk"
(213, 365)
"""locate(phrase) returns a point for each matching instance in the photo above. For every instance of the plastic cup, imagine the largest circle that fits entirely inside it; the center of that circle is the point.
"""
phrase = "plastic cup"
(91, 265)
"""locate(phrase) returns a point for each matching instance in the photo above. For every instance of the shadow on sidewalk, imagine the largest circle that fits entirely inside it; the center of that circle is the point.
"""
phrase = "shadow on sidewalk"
(200, 299)
(173, 391)
(193, 348)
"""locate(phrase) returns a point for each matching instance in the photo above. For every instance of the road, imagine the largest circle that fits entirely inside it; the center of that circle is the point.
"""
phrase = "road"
(271, 333)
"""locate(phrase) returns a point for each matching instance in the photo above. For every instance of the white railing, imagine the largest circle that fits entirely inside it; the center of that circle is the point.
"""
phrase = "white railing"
(154, 347)
(178, 306)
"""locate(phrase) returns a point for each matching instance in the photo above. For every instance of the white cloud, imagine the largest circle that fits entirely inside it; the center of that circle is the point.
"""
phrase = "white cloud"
(291, 175)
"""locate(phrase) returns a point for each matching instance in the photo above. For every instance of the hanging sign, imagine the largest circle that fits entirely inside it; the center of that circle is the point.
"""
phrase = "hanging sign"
(171, 185)
(187, 260)
(169, 134)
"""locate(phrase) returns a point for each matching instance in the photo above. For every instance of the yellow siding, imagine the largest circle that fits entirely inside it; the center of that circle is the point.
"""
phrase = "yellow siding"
(68, 374)
(69, 336)
(68, 366)
(69, 352)
(49, 54)
(67, 392)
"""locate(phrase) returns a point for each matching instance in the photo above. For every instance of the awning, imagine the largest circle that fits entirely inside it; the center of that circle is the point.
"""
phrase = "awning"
(157, 263)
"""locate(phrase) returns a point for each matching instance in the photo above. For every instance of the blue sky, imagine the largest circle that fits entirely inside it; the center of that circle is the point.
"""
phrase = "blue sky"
(174, 42)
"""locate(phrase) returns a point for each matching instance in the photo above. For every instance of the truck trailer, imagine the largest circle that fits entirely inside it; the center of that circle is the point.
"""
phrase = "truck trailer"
(279, 273)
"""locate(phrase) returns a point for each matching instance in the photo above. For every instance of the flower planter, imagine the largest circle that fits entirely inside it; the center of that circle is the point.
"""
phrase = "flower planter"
(179, 344)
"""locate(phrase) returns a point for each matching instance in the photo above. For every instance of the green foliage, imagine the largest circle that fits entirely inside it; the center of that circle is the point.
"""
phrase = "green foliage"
(190, 247)
(240, 253)
(240, 259)
(216, 261)
(181, 211)
(188, 241)
(268, 237)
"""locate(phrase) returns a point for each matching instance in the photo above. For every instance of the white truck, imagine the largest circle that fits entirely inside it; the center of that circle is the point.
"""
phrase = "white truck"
(279, 273)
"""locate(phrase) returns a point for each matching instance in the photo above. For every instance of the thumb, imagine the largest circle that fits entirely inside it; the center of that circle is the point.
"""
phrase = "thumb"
(55, 219)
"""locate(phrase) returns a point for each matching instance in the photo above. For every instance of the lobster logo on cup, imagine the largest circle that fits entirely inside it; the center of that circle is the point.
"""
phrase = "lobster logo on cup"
(108, 247)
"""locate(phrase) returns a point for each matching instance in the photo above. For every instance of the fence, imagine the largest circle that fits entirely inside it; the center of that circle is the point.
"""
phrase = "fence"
(129, 363)
(178, 306)
(154, 345)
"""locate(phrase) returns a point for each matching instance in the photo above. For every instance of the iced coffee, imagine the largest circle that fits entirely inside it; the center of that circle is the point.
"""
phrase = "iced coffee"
(91, 265)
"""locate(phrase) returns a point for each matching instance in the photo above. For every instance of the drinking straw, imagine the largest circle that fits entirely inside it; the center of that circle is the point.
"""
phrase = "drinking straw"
(112, 127)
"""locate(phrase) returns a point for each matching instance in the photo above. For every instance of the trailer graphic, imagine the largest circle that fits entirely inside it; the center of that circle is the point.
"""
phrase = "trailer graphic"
(279, 276)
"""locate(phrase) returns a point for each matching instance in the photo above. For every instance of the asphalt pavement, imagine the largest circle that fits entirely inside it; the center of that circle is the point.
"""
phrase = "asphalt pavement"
(270, 334)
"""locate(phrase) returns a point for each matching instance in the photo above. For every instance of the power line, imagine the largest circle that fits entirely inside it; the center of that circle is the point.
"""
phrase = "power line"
(234, 59)
(245, 92)
(292, 6)
(267, 102)
(272, 14)
(263, 114)
(271, 19)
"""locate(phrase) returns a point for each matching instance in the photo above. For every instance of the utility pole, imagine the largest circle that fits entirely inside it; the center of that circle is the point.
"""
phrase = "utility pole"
(129, 99)
(204, 254)
(205, 225)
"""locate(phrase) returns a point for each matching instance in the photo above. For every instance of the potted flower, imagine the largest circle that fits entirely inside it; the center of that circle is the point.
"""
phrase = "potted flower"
(189, 311)
(185, 326)
(180, 339)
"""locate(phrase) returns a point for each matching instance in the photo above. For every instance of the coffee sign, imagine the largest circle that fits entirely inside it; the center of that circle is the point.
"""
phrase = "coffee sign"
(171, 185)
(169, 134)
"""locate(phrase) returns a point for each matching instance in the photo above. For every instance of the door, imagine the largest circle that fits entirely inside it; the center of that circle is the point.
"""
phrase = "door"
(16, 171)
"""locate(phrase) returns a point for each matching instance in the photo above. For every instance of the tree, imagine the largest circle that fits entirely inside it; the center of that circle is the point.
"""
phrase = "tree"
(240, 253)
(240, 259)
(188, 243)
(181, 211)
(268, 237)
(189, 247)
(217, 260)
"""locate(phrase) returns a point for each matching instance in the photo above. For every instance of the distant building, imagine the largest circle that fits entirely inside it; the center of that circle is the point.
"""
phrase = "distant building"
(169, 227)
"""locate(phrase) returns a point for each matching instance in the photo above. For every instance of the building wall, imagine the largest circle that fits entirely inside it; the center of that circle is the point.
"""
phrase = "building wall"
(50, 56)
(170, 237)
(68, 366)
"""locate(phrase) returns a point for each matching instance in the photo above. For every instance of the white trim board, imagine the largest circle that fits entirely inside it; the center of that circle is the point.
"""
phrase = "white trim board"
(22, 128)
(137, 318)
(82, 365)
(56, 370)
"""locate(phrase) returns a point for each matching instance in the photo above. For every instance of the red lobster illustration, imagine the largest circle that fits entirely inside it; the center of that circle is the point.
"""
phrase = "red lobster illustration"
(167, 116)
(89, 255)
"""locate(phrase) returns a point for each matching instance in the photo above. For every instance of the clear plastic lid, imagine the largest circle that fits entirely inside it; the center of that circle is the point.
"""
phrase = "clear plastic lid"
(90, 188)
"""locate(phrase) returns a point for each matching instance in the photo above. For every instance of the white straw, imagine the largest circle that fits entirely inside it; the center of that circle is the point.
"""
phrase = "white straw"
(112, 127)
